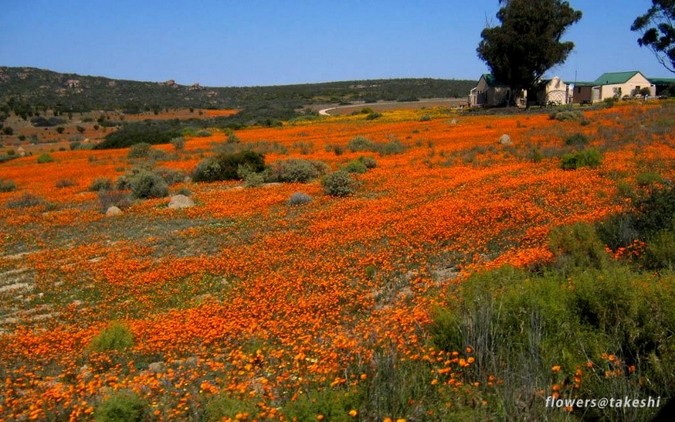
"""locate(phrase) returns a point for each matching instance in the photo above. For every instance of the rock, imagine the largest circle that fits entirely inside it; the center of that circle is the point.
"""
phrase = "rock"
(113, 211)
(181, 201)
(156, 367)
(505, 140)
(453, 122)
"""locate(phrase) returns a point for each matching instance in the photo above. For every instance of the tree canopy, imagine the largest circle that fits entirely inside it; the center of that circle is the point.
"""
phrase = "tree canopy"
(657, 31)
(527, 43)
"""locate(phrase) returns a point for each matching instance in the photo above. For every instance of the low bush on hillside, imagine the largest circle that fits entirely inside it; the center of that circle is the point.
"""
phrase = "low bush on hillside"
(360, 143)
(339, 183)
(44, 158)
(147, 184)
(122, 406)
(355, 166)
(140, 150)
(156, 132)
(583, 158)
(225, 166)
(369, 162)
(299, 198)
(7, 185)
(116, 336)
(100, 183)
(295, 170)
(566, 115)
(391, 147)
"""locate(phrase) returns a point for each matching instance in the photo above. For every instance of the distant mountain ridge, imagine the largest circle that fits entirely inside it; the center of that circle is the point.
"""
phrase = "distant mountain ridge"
(73, 92)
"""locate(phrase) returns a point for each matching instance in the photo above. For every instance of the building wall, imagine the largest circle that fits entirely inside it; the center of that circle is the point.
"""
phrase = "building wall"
(582, 94)
(629, 88)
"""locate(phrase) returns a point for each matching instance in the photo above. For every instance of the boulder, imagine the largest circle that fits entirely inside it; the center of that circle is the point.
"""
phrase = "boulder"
(113, 211)
(181, 201)
(505, 140)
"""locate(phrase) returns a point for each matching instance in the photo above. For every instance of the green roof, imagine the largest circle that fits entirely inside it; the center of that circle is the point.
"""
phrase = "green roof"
(612, 78)
(491, 81)
(662, 81)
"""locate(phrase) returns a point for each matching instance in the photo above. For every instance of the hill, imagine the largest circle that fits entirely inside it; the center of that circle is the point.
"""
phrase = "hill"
(37, 88)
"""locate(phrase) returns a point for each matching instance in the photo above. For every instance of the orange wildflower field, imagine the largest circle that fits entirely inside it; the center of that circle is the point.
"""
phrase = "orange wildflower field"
(247, 297)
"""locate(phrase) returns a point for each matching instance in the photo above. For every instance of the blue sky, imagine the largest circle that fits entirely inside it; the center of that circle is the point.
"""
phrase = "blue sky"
(266, 42)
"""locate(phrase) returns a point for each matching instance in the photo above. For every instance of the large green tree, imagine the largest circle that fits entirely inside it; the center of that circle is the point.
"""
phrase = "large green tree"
(657, 31)
(527, 43)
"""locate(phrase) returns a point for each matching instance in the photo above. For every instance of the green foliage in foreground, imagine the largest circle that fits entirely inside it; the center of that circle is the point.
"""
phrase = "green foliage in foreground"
(122, 406)
(606, 326)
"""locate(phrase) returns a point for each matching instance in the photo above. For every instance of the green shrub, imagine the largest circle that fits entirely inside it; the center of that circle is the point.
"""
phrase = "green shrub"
(45, 158)
(648, 179)
(296, 170)
(146, 184)
(369, 162)
(360, 143)
(225, 166)
(140, 150)
(203, 133)
(425, 118)
(339, 183)
(392, 147)
(299, 198)
(178, 143)
(336, 149)
(100, 183)
(355, 166)
(253, 180)
(577, 140)
(660, 251)
(232, 137)
(225, 407)
(578, 245)
(583, 158)
(116, 336)
(122, 406)
(207, 170)
(373, 116)
(566, 115)
(7, 185)
(142, 132)
(655, 211)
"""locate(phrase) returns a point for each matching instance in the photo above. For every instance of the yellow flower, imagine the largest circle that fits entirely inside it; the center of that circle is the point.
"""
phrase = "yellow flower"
(353, 413)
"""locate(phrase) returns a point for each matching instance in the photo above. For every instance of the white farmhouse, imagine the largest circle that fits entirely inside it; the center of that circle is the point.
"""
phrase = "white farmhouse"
(620, 84)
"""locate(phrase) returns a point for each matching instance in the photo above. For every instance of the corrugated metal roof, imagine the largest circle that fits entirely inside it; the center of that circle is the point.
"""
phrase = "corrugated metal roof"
(612, 78)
